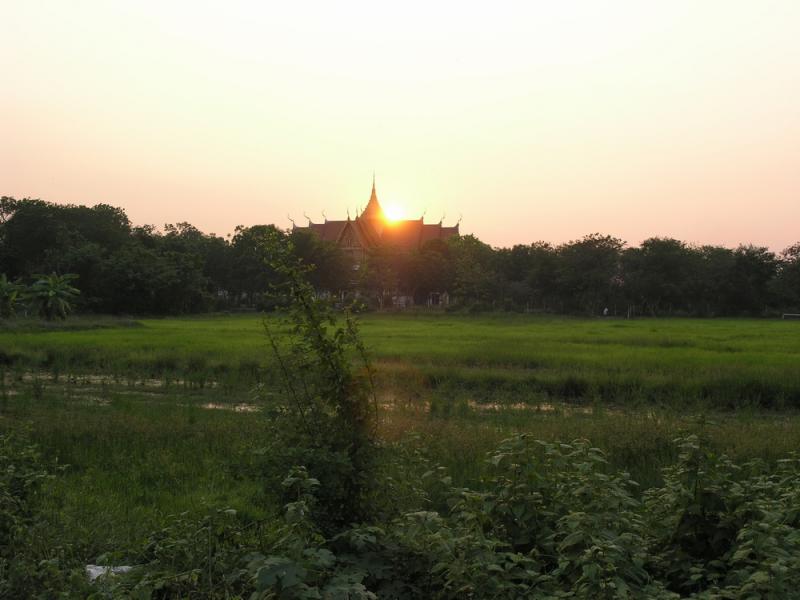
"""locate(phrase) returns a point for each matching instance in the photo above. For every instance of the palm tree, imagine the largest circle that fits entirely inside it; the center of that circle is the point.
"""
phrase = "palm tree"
(52, 295)
(9, 294)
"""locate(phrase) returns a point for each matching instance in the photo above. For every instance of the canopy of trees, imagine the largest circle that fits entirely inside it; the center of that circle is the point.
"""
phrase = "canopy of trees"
(123, 268)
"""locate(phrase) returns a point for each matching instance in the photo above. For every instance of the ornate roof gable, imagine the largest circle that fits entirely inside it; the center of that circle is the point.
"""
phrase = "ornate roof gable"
(352, 236)
(371, 229)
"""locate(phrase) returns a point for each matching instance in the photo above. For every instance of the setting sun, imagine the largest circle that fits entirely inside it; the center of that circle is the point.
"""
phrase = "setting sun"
(394, 212)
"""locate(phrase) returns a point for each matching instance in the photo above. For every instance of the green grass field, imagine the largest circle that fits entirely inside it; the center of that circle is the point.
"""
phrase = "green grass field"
(144, 413)
(724, 363)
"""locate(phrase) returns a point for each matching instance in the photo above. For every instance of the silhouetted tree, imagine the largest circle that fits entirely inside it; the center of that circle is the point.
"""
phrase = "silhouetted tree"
(475, 275)
(379, 278)
(588, 273)
(753, 269)
(787, 285)
(428, 270)
(656, 275)
(332, 271)
(251, 276)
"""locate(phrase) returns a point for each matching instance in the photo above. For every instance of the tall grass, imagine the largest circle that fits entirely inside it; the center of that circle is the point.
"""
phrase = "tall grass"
(133, 457)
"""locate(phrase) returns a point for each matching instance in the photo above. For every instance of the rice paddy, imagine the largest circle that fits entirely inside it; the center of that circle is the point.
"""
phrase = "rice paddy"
(162, 416)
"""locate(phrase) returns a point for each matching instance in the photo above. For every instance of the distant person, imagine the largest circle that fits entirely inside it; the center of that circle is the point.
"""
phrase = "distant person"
(605, 311)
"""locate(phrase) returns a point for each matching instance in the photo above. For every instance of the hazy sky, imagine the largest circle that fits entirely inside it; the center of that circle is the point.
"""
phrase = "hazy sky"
(533, 120)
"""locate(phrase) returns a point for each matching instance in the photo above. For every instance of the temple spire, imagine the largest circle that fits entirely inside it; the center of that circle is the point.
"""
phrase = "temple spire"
(373, 209)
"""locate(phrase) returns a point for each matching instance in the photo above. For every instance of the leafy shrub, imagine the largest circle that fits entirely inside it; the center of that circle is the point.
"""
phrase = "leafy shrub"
(718, 532)
(550, 523)
(550, 520)
(187, 558)
(325, 421)
(300, 566)
(26, 569)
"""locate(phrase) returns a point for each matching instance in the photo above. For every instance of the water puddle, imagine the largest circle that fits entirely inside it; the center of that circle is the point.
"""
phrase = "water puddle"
(539, 407)
(98, 379)
(242, 407)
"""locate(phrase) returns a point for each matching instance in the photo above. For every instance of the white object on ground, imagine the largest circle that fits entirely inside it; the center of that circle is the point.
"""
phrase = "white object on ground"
(95, 571)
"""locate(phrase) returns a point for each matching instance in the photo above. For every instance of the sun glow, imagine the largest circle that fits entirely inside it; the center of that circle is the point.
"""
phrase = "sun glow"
(393, 212)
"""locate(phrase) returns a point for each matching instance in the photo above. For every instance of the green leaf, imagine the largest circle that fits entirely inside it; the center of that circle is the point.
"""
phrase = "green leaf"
(572, 539)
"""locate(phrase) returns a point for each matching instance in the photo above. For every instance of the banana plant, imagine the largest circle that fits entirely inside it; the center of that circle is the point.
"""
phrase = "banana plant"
(52, 295)
(9, 296)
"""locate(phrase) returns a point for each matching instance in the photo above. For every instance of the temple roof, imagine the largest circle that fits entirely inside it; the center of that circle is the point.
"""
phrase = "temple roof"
(431, 232)
(403, 234)
(374, 229)
(328, 231)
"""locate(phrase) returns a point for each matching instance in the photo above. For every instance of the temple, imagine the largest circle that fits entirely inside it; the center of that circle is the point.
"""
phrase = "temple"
(371, 229)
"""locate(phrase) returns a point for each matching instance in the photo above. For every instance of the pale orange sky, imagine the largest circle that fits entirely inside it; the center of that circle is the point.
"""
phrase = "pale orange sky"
(533, 120)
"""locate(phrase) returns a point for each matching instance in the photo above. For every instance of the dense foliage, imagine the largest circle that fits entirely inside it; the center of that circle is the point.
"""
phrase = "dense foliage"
(550, 520)
(28, 570)
(141, 270)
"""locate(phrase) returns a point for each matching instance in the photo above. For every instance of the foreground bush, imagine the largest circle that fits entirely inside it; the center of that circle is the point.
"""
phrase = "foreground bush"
(548, 521)
(551, 522)
(27, 568)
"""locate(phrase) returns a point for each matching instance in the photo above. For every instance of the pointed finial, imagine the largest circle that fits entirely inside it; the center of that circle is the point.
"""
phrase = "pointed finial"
(373, 197)
(324, 216)
(348, 213)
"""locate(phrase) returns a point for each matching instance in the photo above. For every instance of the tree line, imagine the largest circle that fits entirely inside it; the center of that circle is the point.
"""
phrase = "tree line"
(127, 269)
(122, 268)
